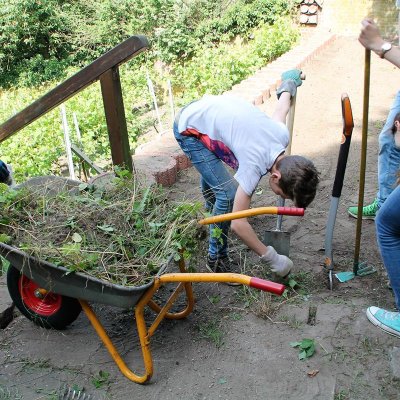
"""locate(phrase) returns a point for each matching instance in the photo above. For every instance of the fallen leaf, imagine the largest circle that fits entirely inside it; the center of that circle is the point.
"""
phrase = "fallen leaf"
(312, 373)
(77, 238)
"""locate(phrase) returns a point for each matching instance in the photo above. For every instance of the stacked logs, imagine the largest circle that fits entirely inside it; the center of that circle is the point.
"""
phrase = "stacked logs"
(309, 10)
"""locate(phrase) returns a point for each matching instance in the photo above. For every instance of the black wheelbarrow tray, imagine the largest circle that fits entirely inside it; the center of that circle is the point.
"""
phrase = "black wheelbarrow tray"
(52, 297)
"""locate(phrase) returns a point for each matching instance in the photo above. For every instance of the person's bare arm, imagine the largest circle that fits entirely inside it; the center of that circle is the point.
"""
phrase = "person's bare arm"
(242, 227)
(282, 108)
(370, 37)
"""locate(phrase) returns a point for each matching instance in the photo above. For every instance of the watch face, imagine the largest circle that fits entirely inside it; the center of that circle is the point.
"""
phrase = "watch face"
(386, 46)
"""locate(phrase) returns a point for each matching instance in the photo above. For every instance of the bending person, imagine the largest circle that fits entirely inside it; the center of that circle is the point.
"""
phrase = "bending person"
(222, 129)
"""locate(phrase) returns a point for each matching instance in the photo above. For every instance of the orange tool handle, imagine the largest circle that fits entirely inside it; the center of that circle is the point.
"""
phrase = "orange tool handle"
(347, 115)
(293, 211)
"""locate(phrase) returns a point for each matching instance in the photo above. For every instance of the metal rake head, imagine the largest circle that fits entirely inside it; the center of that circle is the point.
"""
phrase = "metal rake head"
(72, 394)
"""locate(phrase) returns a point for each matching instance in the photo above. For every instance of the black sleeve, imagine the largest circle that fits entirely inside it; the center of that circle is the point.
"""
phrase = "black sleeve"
(4, 172)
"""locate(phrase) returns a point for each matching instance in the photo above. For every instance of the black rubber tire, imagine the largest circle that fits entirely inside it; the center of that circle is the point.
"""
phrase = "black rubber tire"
(65, 312)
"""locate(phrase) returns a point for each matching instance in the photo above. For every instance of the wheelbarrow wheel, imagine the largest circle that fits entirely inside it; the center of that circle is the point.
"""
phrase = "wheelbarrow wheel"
(46, 309)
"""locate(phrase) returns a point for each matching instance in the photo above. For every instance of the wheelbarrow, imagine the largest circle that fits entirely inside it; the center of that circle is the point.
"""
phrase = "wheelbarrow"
(52, 297)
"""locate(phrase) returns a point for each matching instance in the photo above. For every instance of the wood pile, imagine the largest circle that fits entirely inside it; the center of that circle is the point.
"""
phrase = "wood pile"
(309, 11)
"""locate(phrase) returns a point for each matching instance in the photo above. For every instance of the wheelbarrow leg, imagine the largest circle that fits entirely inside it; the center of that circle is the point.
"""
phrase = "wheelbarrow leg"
(163, 311)
(144, 333)
(144, 342)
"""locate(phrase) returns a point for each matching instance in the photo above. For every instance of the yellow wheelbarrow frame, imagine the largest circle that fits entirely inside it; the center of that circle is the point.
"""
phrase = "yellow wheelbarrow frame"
(184, 280)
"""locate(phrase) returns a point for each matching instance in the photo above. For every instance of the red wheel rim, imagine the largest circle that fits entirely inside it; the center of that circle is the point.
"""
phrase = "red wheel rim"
(49, 304)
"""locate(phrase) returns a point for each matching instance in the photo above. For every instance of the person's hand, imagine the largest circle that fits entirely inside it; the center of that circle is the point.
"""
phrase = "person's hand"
(370, 37)
(278, 263)
(291, 80)
(293, 75)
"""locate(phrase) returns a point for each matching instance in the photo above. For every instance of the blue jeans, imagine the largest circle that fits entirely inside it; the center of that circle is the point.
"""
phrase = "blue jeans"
(217, 185)
(387, 224)
(389, 156)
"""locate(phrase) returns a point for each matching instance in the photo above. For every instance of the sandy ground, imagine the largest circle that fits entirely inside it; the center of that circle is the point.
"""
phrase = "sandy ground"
(236, 343)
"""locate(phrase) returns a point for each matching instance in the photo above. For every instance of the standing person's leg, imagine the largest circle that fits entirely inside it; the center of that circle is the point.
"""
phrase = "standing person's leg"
(388, 236)
(214, 177)
(388, 165)
(389, 156)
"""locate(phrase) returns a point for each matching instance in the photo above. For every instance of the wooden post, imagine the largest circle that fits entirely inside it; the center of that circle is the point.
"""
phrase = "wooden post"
(115, 116)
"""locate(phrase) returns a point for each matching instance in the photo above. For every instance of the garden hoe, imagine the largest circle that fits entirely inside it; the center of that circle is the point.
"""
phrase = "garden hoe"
(277, 238)
(348, 125)
(361, 269)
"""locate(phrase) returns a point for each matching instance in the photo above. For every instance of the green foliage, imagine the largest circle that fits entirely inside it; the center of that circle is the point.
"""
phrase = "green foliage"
(216, 69)
(31, 35)
(122, 233)
(39, 39)
(202, 47)
(306, 348)
(101, 379)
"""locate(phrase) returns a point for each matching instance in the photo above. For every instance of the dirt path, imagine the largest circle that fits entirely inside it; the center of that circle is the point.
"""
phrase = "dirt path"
(235, 345)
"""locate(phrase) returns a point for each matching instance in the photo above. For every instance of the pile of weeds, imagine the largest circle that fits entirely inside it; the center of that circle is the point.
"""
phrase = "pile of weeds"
(122, 233)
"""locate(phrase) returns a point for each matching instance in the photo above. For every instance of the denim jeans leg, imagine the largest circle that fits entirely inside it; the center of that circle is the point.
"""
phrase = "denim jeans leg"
(208, 194)
(388, 236)
(215, 178)
(389, 156)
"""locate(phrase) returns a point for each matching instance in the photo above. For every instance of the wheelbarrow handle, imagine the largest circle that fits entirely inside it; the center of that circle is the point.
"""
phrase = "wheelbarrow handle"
(257, 283)
(293, 211)
(267, 286)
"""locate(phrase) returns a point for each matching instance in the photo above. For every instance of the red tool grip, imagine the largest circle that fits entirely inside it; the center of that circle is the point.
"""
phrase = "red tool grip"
(294, 211)
(267, 286)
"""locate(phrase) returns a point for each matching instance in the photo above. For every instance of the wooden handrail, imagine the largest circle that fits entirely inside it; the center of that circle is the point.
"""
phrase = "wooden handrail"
(117, 56)
(104, 69)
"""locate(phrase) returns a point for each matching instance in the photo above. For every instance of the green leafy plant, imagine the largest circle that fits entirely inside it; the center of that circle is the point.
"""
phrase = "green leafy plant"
(306, 348)
(101, 379)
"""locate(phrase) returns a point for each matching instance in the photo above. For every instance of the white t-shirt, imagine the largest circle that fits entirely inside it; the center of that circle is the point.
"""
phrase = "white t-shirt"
(255, 139)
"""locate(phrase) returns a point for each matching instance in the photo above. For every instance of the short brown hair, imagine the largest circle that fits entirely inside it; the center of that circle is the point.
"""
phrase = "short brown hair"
(299, 179)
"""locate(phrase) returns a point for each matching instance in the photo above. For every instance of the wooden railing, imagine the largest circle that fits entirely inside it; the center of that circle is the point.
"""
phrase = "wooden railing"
(104, 69)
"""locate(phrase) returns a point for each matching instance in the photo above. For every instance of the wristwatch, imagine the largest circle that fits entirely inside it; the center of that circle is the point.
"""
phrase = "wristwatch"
(384, 49)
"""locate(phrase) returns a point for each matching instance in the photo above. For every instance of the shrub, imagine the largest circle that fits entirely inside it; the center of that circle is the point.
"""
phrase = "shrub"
(31, 30)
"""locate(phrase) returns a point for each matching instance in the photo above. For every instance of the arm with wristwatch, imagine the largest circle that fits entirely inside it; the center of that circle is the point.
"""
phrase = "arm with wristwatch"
(370, 37)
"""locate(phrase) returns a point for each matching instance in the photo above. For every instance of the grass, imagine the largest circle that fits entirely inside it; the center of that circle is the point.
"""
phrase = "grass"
(211, 330)
(291, 321)
(9, 394)
(4, 264)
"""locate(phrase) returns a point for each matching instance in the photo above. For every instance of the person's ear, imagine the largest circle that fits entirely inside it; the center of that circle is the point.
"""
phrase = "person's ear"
(397, 124)
(275, 176)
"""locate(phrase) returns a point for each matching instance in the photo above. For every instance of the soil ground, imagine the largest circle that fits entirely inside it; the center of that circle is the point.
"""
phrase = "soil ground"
(236, 343)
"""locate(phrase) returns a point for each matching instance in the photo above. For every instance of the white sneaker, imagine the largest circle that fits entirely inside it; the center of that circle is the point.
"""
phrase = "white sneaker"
(389, 321)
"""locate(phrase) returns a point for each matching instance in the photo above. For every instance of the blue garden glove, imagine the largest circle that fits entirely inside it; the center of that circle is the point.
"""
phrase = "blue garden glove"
(4, 173)
(291, 80)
